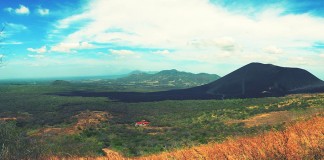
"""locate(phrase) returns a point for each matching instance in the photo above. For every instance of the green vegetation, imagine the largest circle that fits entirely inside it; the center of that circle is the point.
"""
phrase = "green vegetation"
(163, 80)
(15, 144)
(174, 124)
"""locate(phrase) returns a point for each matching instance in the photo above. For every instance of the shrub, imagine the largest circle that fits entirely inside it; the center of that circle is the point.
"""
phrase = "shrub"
(14, 143)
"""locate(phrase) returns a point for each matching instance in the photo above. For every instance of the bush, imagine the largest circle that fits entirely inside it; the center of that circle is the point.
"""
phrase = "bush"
(14, 143)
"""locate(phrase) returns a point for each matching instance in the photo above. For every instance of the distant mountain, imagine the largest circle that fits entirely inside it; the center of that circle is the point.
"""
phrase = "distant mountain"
(167, 78)
(140, 72)
(61, 83)
(250, 81)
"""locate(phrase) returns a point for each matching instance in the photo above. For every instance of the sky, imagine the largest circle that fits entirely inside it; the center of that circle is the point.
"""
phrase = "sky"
(59, 38)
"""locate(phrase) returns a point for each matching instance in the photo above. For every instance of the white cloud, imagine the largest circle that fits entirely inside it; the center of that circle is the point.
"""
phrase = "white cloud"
(300, 61)
(11, 29)
(121, 52)
(71, 47)
(223, 43)
(273, 50)
(16, 27)
(226, 43)
(36, 55)
(43, 11)
(195, 29)
(38, 50)
(163, 52)
(65, 23)
(322, 55)
(9, 9)
(10, 43)
(21, 10)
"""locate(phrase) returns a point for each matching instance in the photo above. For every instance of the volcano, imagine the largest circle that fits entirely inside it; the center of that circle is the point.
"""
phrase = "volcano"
(260, 80)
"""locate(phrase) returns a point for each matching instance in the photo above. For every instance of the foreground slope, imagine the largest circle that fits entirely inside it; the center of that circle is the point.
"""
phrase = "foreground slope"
(302, 140)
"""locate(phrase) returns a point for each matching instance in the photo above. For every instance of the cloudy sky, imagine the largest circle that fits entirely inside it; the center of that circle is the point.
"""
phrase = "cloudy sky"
(56, 38)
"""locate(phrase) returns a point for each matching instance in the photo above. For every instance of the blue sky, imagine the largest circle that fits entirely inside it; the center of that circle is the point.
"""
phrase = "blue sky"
(56, 38)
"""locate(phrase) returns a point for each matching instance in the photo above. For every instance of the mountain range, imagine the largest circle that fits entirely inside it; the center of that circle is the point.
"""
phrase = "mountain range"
(253, 80)
(166, 78)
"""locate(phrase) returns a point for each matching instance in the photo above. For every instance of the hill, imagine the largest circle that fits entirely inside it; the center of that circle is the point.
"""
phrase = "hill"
(61, 83)
(167, 78)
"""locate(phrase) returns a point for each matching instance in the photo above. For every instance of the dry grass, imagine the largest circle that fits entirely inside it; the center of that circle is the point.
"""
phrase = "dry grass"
(270, 118)
(8, 119)
(85, 120)
(277, 117)
(302, 140)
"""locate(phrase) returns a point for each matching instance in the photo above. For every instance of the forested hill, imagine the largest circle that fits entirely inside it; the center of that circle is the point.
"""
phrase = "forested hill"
(168, 78)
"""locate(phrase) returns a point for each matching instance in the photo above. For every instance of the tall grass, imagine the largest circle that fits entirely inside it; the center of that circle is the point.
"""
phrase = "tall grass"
(302, 140)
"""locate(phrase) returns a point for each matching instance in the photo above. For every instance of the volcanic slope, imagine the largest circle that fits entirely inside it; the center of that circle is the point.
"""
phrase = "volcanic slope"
(261, 80)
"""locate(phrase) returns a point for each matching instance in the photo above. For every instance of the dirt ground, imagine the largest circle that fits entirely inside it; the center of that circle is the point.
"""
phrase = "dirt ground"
(84, 119)
(274, 118)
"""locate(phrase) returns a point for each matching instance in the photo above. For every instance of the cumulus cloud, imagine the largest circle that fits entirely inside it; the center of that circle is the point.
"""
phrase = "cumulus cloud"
(22, 10)
(43, 49)
(71, 47)
(43, 11)
(273, 50)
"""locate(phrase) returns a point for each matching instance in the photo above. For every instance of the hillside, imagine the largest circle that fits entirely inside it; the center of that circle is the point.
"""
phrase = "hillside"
(167, 78)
